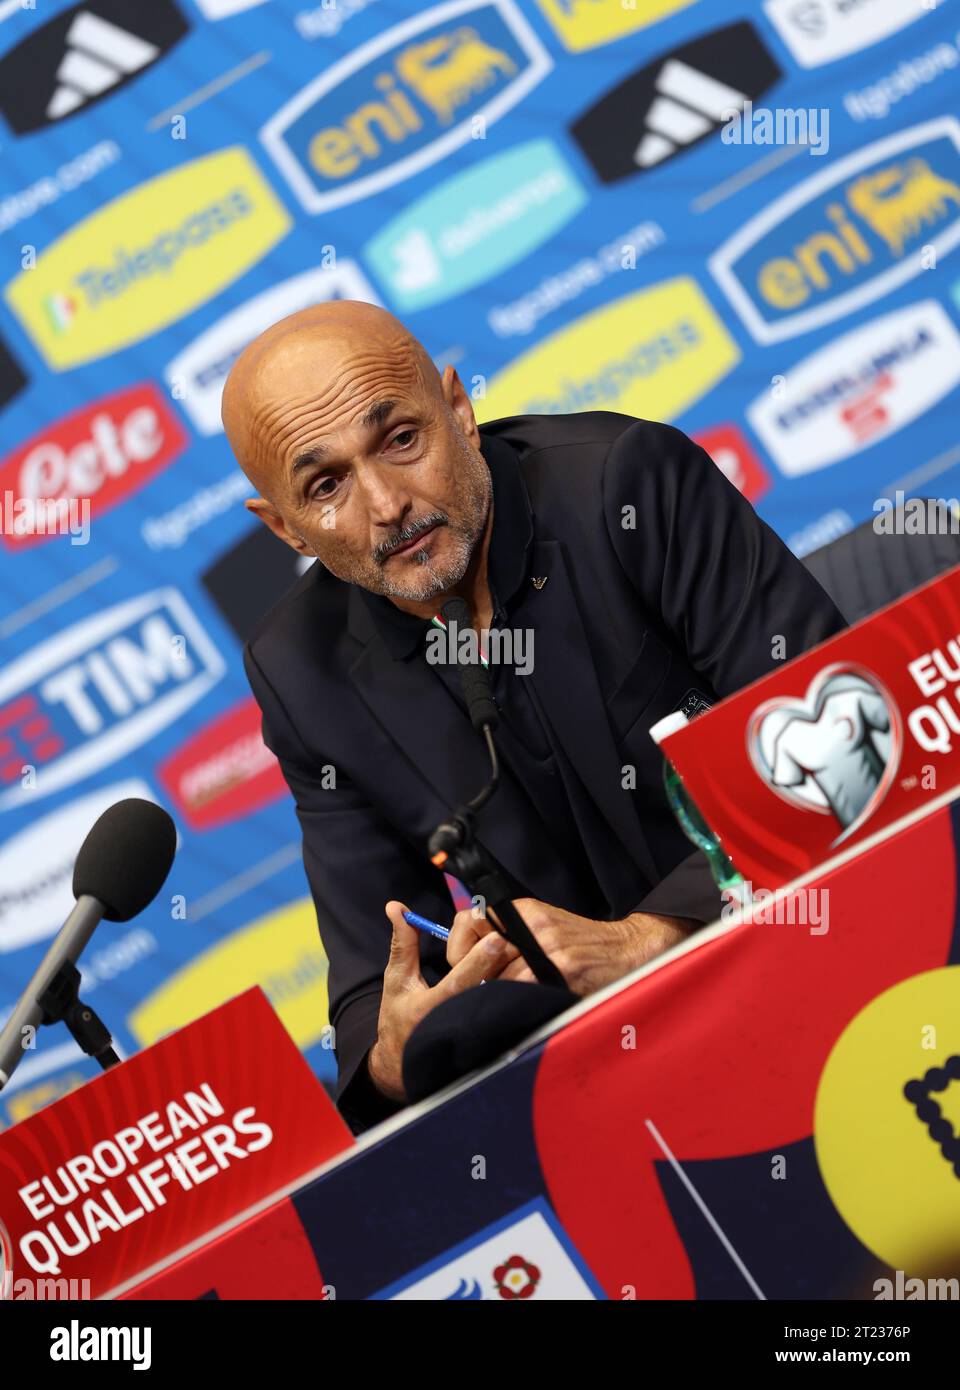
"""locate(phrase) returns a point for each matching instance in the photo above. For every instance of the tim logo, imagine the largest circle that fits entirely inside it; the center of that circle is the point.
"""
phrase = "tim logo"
(403, 101)
(84, 698)
(845, 237)
(835, 751)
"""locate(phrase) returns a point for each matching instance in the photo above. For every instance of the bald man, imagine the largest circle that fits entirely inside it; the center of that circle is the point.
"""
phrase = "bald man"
(608, 554)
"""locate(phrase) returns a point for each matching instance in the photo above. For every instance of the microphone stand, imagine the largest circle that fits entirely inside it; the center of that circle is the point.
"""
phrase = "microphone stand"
(61, 1003)
(52, 996)
(453, 845)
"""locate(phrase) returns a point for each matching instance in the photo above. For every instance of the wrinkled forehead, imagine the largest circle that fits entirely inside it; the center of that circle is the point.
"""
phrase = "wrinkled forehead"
(332, 368)
(329, 389)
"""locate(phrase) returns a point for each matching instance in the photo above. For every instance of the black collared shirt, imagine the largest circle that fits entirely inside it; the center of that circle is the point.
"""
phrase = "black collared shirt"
(525, 741)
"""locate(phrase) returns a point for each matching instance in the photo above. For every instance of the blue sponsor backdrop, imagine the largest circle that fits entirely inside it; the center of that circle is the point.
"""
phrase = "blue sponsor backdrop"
(496, 174)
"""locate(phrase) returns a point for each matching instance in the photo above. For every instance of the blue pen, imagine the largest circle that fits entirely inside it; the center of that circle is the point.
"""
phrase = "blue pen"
(424, 924)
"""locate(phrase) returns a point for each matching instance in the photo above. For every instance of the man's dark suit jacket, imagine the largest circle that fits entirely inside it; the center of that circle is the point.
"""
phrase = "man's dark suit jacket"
(663, 590)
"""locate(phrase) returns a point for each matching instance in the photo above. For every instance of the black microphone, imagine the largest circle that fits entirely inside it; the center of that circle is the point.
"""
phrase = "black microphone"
(474, 676)
(120, 869)
(124, 861)
(453, 842)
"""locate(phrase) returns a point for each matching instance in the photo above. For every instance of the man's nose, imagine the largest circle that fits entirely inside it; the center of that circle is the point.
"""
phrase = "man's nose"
(387, 504)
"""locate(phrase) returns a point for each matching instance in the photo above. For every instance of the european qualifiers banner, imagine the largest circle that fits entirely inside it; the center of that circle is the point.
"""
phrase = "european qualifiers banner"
(159, 1151)
(852, 740)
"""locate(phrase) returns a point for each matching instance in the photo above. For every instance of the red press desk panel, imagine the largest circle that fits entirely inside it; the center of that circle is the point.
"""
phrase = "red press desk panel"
(771, 1112)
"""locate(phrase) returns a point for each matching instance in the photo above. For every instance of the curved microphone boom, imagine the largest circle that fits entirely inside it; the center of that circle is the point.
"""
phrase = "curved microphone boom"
(474, 676)
(453, 842)
(478, 695)
(120, 869)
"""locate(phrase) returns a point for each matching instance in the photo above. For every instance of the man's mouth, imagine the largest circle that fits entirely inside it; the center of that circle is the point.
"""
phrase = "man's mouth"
(411, 544)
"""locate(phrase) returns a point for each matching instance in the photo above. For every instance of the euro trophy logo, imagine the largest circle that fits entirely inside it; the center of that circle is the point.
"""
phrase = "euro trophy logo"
(835, 751)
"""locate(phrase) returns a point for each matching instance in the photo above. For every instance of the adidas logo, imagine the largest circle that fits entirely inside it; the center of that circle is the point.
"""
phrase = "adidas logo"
(685, 96)
(690, 105)
(99, 56)
(84, 54)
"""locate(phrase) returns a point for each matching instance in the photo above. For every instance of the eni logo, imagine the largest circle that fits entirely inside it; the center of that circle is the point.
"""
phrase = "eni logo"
(900, 201)
(404, 100)
(446, 73)
(847, 236)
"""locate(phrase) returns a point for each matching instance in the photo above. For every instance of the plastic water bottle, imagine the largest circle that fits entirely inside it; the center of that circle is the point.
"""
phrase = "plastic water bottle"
(688, 813)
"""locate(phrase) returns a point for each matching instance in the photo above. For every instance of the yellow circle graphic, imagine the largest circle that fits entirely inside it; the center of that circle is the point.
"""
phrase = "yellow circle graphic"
(887, 1124)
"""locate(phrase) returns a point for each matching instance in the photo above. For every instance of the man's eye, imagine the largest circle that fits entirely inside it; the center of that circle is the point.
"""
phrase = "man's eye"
(322, 490)
(408, 435)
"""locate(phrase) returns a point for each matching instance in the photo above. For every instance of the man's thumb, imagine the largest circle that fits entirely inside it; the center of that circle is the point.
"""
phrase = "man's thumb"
(405, 943)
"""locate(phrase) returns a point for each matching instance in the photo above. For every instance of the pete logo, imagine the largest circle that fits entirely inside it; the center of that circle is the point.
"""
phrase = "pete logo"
(102, 453)
(847, 236)
(404, 100)
(834, 751)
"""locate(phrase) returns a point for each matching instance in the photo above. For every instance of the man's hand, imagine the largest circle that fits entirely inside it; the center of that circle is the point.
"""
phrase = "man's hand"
(589, 954)
(407, 998)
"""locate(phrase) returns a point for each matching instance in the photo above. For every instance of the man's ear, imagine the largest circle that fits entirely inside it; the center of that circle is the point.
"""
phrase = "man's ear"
(269, 515)
(455, 395)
